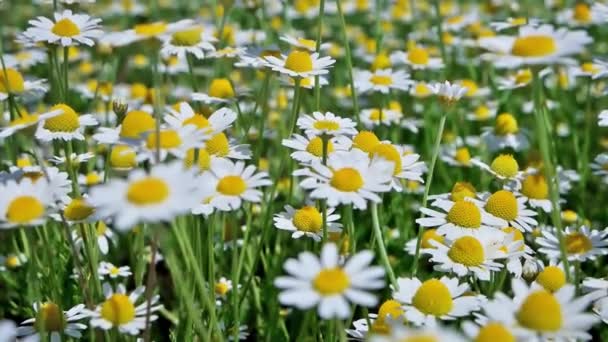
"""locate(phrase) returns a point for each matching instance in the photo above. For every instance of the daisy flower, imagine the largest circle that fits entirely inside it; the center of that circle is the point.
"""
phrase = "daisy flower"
(328, 283)
(473, 89)
(55, 322)
(447, 92)
(12, 261)
(26, 203)
(512, 22)
(589, 69)
(103, 236)
(552, 277)
(380, 116)
(511, 210)
(427, 236)
(135, 125)
(603, 118)
(421, 90)
(434, 299)
(382, 81)
(535, 190)
(310, 149)
(194, 40)
(26, 121)
(170, 141)
(417, 58)
(119, 310)
(303, 43)
(220, 91)
(483, 112)
(318, 124)
(160, 195)
(537, 314)
(348, 178)
(13, 83)
(66, 29)
(485, 330)
(469, 255)
(505, 134)
(533, 45)
(457, 156)
(389, 313)
(503, 167)
(516, 249)
(220, 146)
(435, 333)
(183, 114)
(233, 183)
(459, 217)
(581, 14)
(519, 79)
(66, 126)
(222, 287)
(600, 166)
(406, 164)
(108, 269)
(145, 31)
(581, 244)
(300, 64)
(307, 221)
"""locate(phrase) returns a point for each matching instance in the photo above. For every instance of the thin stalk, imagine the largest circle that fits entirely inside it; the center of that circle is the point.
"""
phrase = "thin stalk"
(295, 107)
(318, 48)
(427, 187)
(349, 63)
(382, 247)
(325, 143)
(264, 117)
(150, 282)
(440, 31)
(65, 74)
(193, 81)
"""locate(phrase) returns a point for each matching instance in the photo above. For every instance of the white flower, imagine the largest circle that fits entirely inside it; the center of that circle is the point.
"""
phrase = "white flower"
(145, 31)
(25, 203)
(193, 40)
(318, 124)
(448, 92)
(513, 22)
(170, 141)
(300, 64)
(406, 164)
(310, 149)
(603, 116)
(382, 81)
(510, 210)
(307, 221)
(160, 195)
(8, 330)
(417, 58)
(26, 121)
(103, 236)
(220, 91)
(56, 322)
(434, 299)
(66, 29)
(581, 244)
(65, 126)
(12, 82)
(108, 269)
(348, 178)
(329, 284)
(380, 116)
(217, 122)
(302, 43)
(119, 310)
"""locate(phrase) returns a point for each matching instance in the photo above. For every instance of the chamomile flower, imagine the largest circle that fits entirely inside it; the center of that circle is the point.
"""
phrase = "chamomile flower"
(600, 166)
(512, 22)
(26, 121)
(457, 218)
(170, 141)
(603, 118)
(310, 149)
(535, 189)
(503, 167)
(473, 89)
(103, 237)
(307, 221)
(329, 284)
(552, 277)
(406, 164)
(427, 236)
(511, 210)
(589, 69)
(581, 14)
(66, 29)
(318, 124)
(417, 58)
(538, 315)
(581, 244)
(135, 125)
(26, 203)
(220, 91)
(389, 314)
(12, 82)
(348, 178)
(119, 310)
(194, 40)
(303, 43)
(521, 78)
(107, 269)
(300, 64)
(67, 126)
(505, 134)
(184, 115)
(164, 192)
(457, 156)
(54, 321)
(483, 112)
(382, 81)
(234, 183)
(380, 116)
(533, 45)
(448, 92)
(434, 299)
(145, 31)
(514, 242)
(12, 261)
(401, 333)
(221, 288)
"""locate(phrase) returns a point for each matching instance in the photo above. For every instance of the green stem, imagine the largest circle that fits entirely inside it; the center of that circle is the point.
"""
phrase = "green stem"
(349, 63)
(427, 187)
(65, 74)
(440, 31)
(381, 247)
(318, 48)
(295, 106)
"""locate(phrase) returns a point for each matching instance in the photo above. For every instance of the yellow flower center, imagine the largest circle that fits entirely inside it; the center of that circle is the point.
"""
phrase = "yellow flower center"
(299, 61)
(77, 210)
(502, 204)
(381, 61)
(390, 308)
(197, 120)
(390, 153)
(366, 141)
(347, 180)
(535, 187)
(218, 145)
(204, 159)
(101, 228)
(148, 191)
(151, 29)
(65, 28)
(381, 80)
(315, 147)
(505, 165)
(92, 178)
(114, 270)
(231, 185)
(327, 125)
(221, 88)
(482, 112)
(494, 332)
(136, 123)
(464, 214)
(123, 157)
(12, 81)
(552, 278)
(523, 76)
(64, 122)
(534, 46)
(50, 318)
(189, 37)
(307, 43)
(168, 139)
(467, 250)
(506, 124)
(517, 234)
(428, 235)
(471, 86)
(463, 156)
(12, 261)
(582, 13)
(118, 309)
(24, 209)
(418, 55)
(331, 281)
(308, 219)
(462, 190)
(569, 216)
(590, 68)
(578, 243)
(540, 311)
(221, 288)
(421, 89)
(139, 91)
(433, 298)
